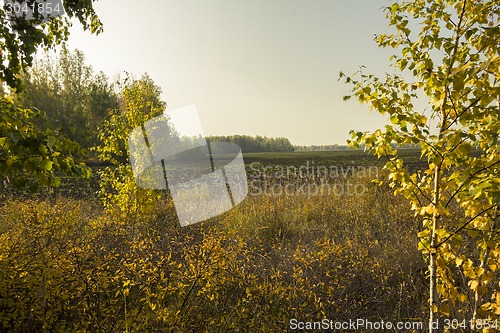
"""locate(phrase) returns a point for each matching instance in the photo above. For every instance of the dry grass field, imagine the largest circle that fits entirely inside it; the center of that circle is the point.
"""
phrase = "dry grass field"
(69, 265)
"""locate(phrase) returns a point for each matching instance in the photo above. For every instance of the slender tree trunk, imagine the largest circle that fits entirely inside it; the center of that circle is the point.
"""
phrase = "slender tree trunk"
(433, 295)
(478, 296)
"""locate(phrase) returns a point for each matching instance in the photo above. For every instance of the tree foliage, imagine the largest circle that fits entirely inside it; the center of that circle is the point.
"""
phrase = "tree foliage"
(255, 144)
(20, 39)
(73, 96)
(139, 101)
(27, 150)
(448, 56)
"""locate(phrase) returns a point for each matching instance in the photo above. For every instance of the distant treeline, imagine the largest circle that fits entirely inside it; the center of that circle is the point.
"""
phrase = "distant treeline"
(321, 147)
(255, 144)
(335, 147)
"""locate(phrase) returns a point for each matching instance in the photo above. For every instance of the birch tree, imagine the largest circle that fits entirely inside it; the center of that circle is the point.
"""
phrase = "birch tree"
(446, 55)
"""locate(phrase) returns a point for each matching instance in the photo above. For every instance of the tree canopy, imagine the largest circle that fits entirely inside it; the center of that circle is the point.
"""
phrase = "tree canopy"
(75, 98)
(26, 150)
(255, 144)
(20, 38)
(448, 53)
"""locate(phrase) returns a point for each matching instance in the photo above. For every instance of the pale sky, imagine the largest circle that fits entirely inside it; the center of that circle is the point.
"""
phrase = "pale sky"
(256, 67)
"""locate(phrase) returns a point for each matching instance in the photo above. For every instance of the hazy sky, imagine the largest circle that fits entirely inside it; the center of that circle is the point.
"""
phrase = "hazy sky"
(267, 67)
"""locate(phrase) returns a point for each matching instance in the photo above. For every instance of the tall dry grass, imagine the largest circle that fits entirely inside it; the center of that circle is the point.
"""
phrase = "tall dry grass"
(67, 265)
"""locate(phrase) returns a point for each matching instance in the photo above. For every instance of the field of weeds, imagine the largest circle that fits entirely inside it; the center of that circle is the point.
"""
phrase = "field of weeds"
(69, 265)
